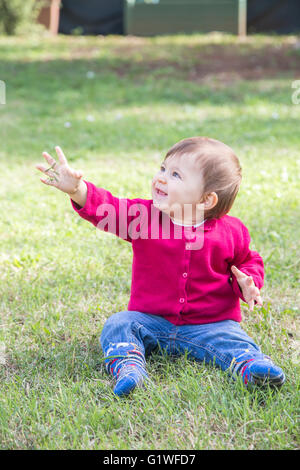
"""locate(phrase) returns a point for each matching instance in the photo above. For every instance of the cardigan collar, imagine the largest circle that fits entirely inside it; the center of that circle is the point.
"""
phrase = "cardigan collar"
(207, 225)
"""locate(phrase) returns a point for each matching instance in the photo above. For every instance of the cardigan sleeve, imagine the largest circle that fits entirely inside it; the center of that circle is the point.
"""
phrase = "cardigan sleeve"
(248, 261)
(107, 212)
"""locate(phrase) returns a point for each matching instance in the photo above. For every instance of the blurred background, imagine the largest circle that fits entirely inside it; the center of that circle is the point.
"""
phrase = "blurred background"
(149, 17)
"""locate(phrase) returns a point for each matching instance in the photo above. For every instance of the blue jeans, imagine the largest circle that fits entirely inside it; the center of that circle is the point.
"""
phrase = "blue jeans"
(217, 343)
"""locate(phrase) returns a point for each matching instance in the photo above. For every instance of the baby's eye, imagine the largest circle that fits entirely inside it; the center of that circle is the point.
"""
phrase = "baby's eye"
(162, 168)
(175, 173)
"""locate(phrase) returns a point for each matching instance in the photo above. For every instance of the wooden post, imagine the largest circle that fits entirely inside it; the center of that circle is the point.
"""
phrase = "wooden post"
(49, 16)
(242, 19)
(54, 16)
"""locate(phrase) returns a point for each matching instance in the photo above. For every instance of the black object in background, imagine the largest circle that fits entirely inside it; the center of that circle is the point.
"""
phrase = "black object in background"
(91, 17)
(106, 16)
(278, 16)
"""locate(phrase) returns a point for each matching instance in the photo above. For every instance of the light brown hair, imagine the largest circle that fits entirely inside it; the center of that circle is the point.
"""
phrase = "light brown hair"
(219, 167)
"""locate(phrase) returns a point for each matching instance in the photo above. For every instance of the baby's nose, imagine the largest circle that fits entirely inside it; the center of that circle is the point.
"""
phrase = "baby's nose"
(161, 179)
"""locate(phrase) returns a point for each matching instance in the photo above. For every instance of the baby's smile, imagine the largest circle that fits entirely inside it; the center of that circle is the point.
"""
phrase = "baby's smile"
(160, 192)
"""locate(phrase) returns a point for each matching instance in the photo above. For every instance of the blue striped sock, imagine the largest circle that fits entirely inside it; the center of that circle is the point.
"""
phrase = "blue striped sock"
(258, 370)
(127, 364)
(130, 377)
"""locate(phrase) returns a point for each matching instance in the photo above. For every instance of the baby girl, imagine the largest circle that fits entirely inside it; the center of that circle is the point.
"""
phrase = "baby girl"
(191, 265)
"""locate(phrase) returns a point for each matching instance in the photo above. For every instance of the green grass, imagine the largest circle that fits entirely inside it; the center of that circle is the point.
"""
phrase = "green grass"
(60, 279)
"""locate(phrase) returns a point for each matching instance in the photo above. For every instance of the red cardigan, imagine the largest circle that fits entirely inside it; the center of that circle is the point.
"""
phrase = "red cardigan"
(182, 275)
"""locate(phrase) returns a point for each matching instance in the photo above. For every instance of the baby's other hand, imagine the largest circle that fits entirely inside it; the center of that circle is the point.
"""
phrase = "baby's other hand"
(60, 175)
(250, 291)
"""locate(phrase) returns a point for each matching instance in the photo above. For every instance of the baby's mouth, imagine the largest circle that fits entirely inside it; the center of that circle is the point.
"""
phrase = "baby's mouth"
(159, 192)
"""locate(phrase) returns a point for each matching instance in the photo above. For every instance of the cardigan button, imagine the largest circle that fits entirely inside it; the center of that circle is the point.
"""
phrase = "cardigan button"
(181, 300)
(184, 274)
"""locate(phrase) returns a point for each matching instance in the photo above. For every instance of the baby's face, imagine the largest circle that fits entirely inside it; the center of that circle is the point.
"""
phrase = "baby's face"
(177, 183)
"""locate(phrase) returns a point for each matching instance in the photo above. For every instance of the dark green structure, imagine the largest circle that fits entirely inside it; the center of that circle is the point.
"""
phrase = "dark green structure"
(151, 17)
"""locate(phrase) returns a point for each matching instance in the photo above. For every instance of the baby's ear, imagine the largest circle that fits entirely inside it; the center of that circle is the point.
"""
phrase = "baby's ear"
(210, 200)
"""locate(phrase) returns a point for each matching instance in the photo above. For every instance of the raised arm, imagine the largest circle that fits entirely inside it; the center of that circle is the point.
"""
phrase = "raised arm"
(122, 217)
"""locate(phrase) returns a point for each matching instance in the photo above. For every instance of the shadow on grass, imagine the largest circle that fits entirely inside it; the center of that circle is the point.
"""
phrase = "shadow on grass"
(142, 85)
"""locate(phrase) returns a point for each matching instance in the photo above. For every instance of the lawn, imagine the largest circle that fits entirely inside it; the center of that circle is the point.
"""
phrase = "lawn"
(115, 105)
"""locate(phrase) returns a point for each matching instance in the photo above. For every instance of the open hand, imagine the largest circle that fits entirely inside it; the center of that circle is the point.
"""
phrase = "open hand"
(250, 291)
(60, 175)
